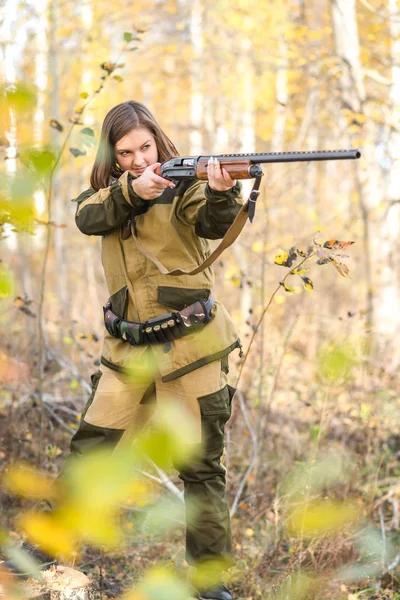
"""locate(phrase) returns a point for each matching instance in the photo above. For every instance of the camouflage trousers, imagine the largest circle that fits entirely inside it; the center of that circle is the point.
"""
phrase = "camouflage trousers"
(121, 405)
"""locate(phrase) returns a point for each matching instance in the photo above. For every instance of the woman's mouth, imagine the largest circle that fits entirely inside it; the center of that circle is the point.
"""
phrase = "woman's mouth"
(139, 171)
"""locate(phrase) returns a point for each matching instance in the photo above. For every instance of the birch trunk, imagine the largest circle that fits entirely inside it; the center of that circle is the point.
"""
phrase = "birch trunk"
(61, 266)
(347, 47)
(196, 78)
(388, 291)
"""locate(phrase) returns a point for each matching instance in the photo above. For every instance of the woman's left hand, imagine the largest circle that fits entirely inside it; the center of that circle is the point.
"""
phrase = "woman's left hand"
(218, 178)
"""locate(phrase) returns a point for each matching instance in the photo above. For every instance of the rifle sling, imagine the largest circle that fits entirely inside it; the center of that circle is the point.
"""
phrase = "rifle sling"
(228, 239)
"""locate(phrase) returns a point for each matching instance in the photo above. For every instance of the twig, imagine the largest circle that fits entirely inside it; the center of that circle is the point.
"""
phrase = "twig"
(163, 480)
(382, 522)
(394, 564)
(281, 283)
(63, 409)
(58, 419)
(385, 17)
(254, 457)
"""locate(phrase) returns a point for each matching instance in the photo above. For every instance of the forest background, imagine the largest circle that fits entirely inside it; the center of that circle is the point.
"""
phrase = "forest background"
(314, 440)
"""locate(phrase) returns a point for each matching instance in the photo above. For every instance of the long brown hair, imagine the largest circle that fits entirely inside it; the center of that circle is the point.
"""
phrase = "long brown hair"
(119, 121)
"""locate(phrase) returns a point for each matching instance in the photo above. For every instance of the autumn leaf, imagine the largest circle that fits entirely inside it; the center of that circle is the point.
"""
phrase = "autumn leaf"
(336, 245)
(56, 125)
(51, 534)
(288, 288)
(303, 254)
(25, 482)
(108, 66)
(299, 271)
(84, 95)
(308, 284)
(321, 517)
(285, 259)
(343, 269)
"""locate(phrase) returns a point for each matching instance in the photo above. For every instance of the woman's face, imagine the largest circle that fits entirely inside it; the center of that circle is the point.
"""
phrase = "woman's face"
(136, 150)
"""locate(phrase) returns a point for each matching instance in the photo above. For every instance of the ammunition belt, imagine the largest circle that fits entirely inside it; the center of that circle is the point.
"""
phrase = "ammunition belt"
(160, 330)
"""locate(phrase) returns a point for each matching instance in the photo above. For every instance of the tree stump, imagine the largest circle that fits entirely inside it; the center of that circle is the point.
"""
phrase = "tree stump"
(58, 583)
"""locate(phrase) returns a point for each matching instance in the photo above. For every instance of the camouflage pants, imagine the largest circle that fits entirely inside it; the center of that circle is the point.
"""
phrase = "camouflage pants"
(120, 405)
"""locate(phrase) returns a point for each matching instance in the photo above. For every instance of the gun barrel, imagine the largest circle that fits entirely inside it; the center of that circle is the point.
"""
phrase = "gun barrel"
(278, 157)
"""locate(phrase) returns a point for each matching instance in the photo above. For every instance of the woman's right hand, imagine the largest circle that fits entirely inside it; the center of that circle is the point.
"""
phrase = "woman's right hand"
(149, 185)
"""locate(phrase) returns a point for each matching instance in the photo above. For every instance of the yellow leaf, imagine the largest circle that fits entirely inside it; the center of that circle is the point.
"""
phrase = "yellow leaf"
(288, 288)
(25, 482)
(98, 526)
(281, 257)
(6, 284)
(308, 284)
(280, 299)
(84, 95)
(257, 246)
(320, 517)
(49, 533)
(299, 271)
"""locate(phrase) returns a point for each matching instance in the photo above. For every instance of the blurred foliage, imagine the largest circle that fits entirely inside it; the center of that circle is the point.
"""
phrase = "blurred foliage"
(320, 386)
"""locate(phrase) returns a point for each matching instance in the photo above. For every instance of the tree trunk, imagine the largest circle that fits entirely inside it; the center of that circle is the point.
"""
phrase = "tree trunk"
(388, 290)
(347, 48)
(62, 583)
(196, 78)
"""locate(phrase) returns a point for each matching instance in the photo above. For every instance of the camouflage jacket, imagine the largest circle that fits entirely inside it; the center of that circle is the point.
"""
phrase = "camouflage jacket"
(174, 227)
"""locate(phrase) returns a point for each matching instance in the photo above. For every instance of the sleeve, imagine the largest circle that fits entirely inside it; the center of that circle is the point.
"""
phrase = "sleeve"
(211, 212)
(99, 212)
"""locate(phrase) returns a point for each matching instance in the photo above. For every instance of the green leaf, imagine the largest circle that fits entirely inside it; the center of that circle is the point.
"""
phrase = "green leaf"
(6, 284)
(19, 97)
(76, 152)
(40, 160)
(87, 131)
(128, 36)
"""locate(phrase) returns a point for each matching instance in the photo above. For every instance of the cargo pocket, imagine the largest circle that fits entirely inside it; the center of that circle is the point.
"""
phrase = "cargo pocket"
(215, 412)
(95, 378)
(119, 301)
(179, 298)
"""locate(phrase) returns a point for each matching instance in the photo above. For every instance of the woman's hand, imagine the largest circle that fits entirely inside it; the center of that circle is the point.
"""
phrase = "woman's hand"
(149, 185)
(218, 178)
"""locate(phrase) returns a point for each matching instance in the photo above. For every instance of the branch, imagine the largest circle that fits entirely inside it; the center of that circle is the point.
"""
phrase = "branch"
(163, 480)
(254, 457)
(58, 419)
(381, 15)
(264, 313)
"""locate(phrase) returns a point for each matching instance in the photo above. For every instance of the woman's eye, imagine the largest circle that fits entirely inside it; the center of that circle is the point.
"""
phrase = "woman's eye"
(124, 153)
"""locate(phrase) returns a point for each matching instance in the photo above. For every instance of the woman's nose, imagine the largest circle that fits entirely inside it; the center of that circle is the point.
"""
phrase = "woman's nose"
(137, 160)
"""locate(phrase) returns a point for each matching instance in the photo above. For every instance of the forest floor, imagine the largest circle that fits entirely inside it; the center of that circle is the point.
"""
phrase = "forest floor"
(308, 427)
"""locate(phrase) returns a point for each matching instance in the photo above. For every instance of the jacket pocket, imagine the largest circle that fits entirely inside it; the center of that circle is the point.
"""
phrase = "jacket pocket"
(179, 298)
(215, 411)
(119, 301)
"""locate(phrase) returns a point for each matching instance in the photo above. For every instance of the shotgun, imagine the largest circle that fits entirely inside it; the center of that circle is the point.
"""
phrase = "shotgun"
(243, 166)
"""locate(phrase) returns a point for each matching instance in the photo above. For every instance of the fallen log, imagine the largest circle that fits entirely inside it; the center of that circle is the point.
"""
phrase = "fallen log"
(57, 583)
